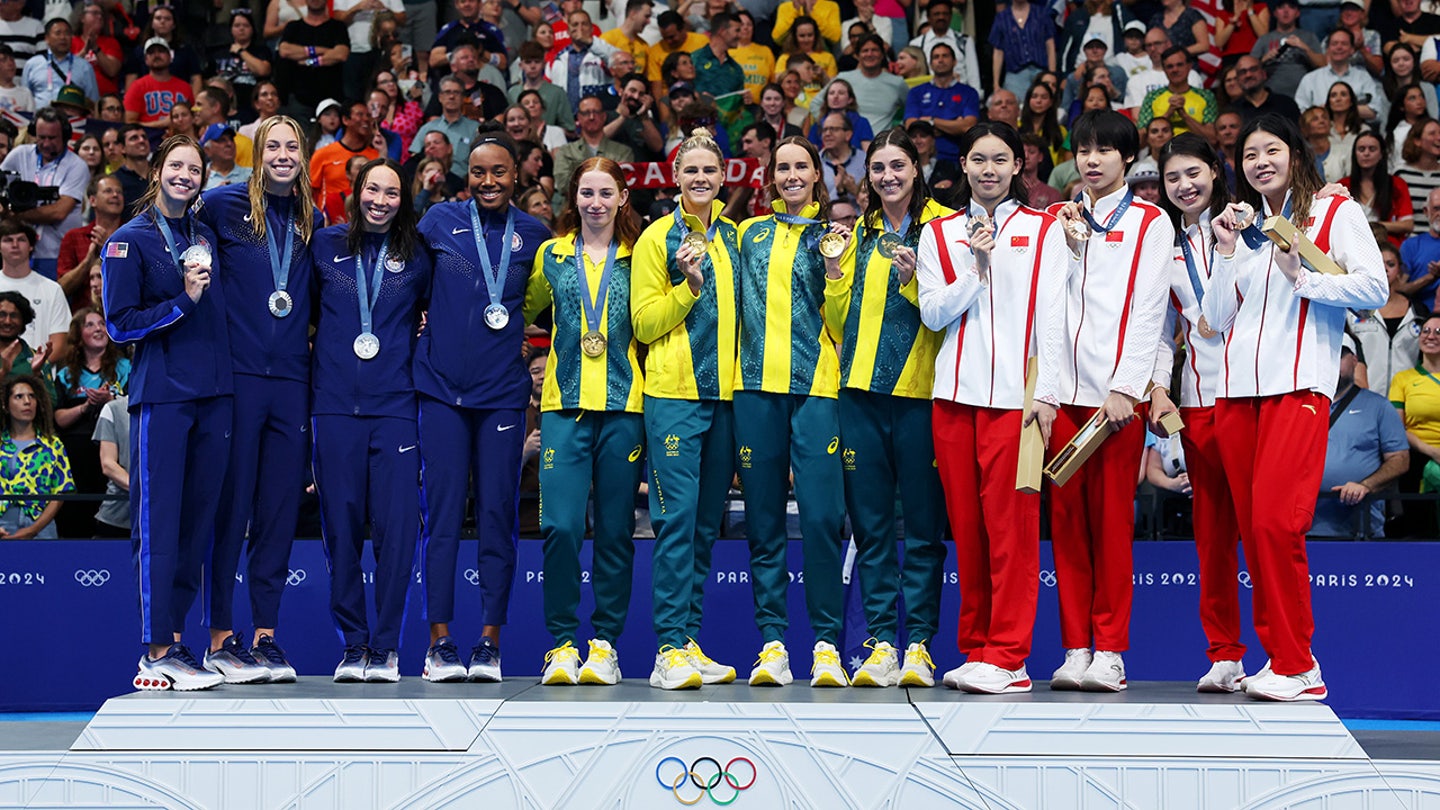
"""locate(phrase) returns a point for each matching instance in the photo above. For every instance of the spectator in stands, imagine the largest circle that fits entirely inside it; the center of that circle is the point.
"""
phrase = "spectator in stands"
(1238, 25)
(1366, 452)
(1402, 70)
(246, 59)
(841, 165)
(181, 122)
(756, 60)
(1188, 108)
(592, 142)
(1039, 117)
(23, 33)
(111, 110)
(358, 17)
(267, 103)
(804, 39)
(48, 71)
(825, 14)
(553, 100)
(81, 247)
(580, 69)
(16, 356)
(939, 175)
(626, 36)
(149, 99)
(1034, 173)
(92, 372)
(1408, 109)
(1023, 39)
(98, 48)
(1368, 53)
(467, 26)
(218, 143)
(1388, 339)
(1184, 25)
(1259, 98)
(312, 52)
(715, 72)
(1003, 105)
(186, 63)
(1314, 88)
(32, 461)
(1079, 76)
(329, 180)
(481, 83)
(537, 167)
(949, 106)
(1421, 168)
(112, 439)
(536, 203)
(134, 171)
(48, 163)
(458, 129)
(840, 98)
(15, 99)
(52, 311)
(433, 183)
(674, 38)
(90, 151)
(634, 124)
(1332, 163)
(1386, 199)
(774, 110)
(879, 94)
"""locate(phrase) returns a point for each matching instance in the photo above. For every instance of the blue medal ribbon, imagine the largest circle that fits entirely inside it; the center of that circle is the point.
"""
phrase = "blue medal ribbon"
(369, 292)
(812, 239)
(1190, 262)
(494, 276)
(1114, 218)
(280, 264)
(1252, 235)
(709, 232)
(594, 307)
(170, 238)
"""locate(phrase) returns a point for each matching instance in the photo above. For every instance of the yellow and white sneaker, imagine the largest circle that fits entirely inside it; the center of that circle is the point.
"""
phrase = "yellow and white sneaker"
(711, 671)
(562, 666)
(918, 669)
(673, 670)
(826, 671)
(772, 668)
(882, 668)
(602, 665)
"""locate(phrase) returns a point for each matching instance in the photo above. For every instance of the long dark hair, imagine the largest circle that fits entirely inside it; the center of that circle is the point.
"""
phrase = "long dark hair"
(1305, 179)
(1351, 119)
(44, 423)
(75, 350)
(1380, 176)
(818, 192)
(402, 227)
(627, 225)
(1047, 125)
(919, 193)
(1011, 138)
(1397, 106)
(1188, 144)
(1392, 84)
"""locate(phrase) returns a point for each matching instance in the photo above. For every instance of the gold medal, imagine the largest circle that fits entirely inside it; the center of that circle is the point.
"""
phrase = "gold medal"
(697, 241)
(1205, 330)
(887, 245)
(593, 344)
(832, 245)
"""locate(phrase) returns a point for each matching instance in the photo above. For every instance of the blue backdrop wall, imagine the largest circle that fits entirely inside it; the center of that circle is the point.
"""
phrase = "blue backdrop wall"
(1374, 608)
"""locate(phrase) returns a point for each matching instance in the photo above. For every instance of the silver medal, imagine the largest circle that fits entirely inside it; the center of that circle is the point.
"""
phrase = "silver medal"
(198, 255)
(497, 316)
(366, 346)
(281, 304)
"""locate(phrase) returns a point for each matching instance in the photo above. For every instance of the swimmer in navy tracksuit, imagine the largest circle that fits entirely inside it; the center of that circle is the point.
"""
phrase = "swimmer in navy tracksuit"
(474, 389)
(366, 459)
(268, 305)
(163, 293)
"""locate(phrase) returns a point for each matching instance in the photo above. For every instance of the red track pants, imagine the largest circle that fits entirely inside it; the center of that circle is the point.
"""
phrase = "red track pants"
(996, 530)
(1273, 453)
(1092, 519)
(1217, 536)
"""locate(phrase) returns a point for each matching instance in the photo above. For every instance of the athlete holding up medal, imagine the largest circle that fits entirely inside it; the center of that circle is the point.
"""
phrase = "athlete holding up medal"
(373, 276)
(474, 389)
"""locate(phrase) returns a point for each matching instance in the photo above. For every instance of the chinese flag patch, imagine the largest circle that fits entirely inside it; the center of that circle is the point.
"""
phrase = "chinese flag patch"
(1115, 236)
(1019, 241)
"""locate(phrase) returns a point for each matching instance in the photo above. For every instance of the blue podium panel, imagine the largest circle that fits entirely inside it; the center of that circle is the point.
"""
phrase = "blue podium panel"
(1372, 601)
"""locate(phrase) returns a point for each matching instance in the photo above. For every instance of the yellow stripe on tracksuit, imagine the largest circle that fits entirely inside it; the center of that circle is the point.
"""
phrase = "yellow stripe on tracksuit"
(884, 347)
(610, 382)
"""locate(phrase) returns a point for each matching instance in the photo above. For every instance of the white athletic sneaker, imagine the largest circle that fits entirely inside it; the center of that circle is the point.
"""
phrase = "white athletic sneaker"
(1224, 676)
(1068, 676)
(918, 670)
(711, 671)
(382, 666)
(988, 679)
(442, 662)
(673, 670)
(234, 662)
(562, 666)
(826, 671)
(177, 670)
(955, 677)
(1274, 686)
(882, 668)
(1105, 674)
(772, 668)
(602, 665)
(351, 668)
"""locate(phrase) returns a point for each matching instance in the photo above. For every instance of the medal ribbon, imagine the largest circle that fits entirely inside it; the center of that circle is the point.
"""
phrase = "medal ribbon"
(1190, 262)
(1252, 235)
(370, 294)
(594, 307)
(794, 219)
(494, 278)
(280, 264)
(170, 239)
(1114, 218)
(709, 233)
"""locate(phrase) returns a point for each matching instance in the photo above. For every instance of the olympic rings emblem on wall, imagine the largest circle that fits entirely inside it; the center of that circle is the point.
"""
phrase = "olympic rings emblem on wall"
(704, 782)
(295, 577)
(92, 578)
(472, 576)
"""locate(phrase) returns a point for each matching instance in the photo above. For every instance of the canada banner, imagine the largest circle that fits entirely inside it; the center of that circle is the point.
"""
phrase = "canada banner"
(738, 172)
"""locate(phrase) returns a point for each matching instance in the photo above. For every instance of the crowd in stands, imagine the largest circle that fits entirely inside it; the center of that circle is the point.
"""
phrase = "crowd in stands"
(89, 88)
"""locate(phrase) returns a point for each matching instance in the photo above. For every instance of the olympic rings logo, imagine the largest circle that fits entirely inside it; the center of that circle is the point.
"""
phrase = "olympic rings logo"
(1047, 578)
(296, 576)
(472, 576)
(705, 784)
(92, 578)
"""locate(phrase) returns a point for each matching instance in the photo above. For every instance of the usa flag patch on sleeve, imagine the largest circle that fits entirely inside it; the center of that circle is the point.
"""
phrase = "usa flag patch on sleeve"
(117, 250)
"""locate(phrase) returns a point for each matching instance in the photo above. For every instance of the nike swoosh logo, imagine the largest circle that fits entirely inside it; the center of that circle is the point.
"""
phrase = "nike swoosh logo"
(246, 218)
(459, 230)
(503, 428)
(407, 449)
(339, 259)
(1353, 410)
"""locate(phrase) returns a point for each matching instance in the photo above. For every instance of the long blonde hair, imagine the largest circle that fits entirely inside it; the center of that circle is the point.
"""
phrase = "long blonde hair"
(305, 215)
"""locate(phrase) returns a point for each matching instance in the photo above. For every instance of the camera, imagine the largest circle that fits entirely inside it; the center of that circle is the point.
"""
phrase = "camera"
(23, 195)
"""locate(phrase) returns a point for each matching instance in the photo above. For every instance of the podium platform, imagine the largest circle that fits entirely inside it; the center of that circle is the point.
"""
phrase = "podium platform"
(315, 744)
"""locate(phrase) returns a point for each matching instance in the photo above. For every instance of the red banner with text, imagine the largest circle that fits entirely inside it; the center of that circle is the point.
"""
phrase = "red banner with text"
(738, 172)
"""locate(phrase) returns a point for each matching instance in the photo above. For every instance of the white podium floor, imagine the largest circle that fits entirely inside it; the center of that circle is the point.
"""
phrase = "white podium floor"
(519, 745)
